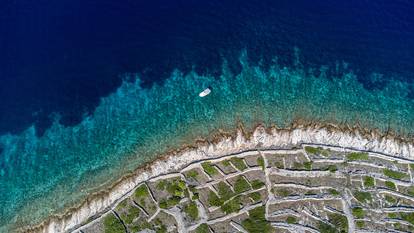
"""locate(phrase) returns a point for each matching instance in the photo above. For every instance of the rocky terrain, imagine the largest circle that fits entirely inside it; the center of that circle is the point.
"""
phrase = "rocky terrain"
(310, 188)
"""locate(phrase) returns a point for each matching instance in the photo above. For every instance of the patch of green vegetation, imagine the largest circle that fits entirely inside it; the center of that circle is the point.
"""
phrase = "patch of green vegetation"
(358, 212)
(313, 150)
(257, 223)
(326, 228)
(176, 187)
(139, 227)
(332, 168)
(369, 181)
(291, 220)
(412, 166)
(410, 191)
(256, 196)
(238, 163)
(213, 199)
(224, 191)
(360, 224)
(161, 184)
(226, 163)
(333, 192)
(209, 168)
(390, 199)
(339, 221)
(241, 185)
(192, 174)
(141, 191)
(130, 215)
(394, 174)
(393, 215)
(308, 165)
(260, 162)
(112, 224)
(390, 185)
(363, 196)
(232, 206)
(409, 217)
(256, 184)
(357, 156)
(191, 210)
(202, 228)
(122, 204)
(278, 164)
(159, 226)
(282, 192)
(170, 202)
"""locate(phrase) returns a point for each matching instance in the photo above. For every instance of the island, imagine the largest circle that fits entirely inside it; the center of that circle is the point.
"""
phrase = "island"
(302, 180)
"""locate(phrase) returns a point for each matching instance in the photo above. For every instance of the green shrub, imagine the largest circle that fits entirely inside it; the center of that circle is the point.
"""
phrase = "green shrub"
(333, 192)
(409, 217)
(202, 228)
(307, 165)
(257, 223)
(260, 162)
(256, 196)
(193, 174)
(326, 228)
(393, 215)
(282, 192)
(209, 168)
(213, 199)
(363, 196)
(238, 163)
(390, 185)
(231, 206)
(256, 184)
(358, 212)
(161, 184)
(360, 224)
(132, 213)
(170, 202)
(390, 199)
(226, 163)
(332, 168)
(411, 191)
(312, 150)
(394, 174)
(291, 220)
(241, 185)
(224, 191)
(191, 210)
(357, 156)
(369, 181)
(141, 191)
(112, 224)
(339, 221)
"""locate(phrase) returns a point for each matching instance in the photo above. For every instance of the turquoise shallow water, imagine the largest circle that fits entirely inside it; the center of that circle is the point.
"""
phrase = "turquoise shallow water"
(44, 175)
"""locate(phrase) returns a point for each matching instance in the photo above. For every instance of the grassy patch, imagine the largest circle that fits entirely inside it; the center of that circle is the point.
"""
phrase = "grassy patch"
(241, 185)
(317, 151)
(333, 192)
(224, 191)
(390, 185)
(112, 224)
(394, 174)
(369, 181)
(332, 168)
(192, 174)
(390, 199)
(297, 166)
(213, 199)
(357, 156)
(170, 202)
(358, 212)
(176, 188)
(130, 215)
(291, 220)
(260, 162)
(226, 163)
(256, 184)
(202, 228)
(191, 210)
(339, 221)
(238, 163)
(141, 191)
(326, 228)
(393, 215)
(282, 192)
(256, 196)
(256, 223)
(362, 196)
(209, 168)
(409, 217)
(360, 224)
(232, 206)
(308, 165)
(411, 191)
(161, 184)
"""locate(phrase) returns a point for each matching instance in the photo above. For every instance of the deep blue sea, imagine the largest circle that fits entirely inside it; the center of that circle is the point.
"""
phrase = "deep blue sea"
(59, 59)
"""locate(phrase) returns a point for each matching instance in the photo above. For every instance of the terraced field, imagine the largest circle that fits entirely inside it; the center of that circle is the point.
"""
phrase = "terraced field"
(307, 189)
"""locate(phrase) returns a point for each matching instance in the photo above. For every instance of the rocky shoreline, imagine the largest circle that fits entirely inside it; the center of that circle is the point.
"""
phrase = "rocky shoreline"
(225, 144)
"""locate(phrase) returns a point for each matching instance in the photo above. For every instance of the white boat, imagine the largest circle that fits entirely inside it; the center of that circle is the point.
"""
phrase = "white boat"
(205, 92)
